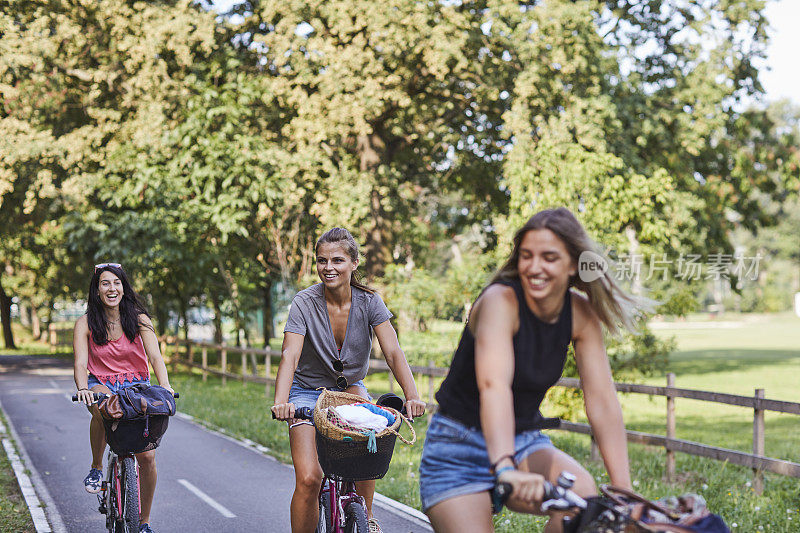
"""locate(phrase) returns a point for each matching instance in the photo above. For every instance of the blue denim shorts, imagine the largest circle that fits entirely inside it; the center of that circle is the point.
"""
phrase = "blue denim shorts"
(303, 397)
(116, 387)
(455, 461)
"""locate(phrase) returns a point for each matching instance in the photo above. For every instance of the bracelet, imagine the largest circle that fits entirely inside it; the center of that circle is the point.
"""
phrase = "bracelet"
(83, 389)
(503, 469)
(493, 467)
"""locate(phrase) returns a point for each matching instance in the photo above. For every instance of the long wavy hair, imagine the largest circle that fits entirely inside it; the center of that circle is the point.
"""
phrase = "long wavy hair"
(613, 305)
(345, 238)
(130, 307)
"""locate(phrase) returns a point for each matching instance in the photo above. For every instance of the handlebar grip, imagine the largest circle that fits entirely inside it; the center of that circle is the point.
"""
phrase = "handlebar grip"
(303, 413)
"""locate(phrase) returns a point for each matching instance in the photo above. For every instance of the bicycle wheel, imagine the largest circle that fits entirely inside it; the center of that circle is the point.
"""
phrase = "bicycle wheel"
(355, 518)
(324, 524)
(109, 506)
(130, 495)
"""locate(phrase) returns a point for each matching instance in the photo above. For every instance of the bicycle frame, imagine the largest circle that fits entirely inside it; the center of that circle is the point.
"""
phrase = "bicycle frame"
(341, 492)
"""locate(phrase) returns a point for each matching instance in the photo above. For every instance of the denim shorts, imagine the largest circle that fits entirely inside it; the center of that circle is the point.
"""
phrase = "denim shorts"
(455, 461)
(303, 397)
(116, 387)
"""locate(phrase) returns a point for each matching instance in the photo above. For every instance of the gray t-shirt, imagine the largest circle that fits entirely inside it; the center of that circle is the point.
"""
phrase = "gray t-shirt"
(308, 316)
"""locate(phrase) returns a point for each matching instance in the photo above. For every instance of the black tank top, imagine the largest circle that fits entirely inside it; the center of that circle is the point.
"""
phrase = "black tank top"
(540, 350)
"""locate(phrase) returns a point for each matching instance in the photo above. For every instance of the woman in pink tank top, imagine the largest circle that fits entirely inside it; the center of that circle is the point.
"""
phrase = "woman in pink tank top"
(113, 343)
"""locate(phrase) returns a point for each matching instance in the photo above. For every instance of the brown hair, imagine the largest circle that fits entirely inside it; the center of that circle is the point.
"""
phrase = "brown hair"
(613, 306)
(345, 238)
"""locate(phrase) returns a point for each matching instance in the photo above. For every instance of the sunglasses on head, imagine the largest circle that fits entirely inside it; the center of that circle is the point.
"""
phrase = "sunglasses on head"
(341, 381)
(103, 265)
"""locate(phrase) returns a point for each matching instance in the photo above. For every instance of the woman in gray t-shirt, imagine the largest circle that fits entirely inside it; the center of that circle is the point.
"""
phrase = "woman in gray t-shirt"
(326, 343)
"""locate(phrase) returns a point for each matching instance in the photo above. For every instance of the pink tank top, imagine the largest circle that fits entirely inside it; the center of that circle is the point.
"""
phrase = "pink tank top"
(118, 360)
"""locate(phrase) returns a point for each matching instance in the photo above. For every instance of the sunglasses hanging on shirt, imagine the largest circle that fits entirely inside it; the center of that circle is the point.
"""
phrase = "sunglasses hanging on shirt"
(341, 381)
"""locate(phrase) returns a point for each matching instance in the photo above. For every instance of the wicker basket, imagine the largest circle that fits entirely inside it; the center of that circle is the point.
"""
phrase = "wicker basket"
(333, 399)
(344, 453)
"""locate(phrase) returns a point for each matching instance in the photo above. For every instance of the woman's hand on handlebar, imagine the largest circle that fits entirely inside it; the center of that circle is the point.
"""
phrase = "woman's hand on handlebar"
(86, 396)
(415, 408)
(527, 486)
(283, 411)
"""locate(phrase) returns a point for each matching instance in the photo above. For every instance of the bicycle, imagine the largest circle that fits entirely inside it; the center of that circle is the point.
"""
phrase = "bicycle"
(341, 509)
(119, 492)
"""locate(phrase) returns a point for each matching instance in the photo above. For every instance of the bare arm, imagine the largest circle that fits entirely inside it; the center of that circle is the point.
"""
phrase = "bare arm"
(153, 351)
(495, 319)
(80, 346)
(290, 355)
(396, 359)
(600, 398)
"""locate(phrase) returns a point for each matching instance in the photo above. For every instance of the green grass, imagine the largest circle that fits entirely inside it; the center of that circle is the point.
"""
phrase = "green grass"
(14, 514)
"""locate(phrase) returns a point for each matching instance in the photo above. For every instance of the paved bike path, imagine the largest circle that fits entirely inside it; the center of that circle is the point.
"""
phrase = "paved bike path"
(203, 477)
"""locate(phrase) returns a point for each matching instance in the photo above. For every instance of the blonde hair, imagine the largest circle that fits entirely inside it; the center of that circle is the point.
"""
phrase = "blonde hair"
(613, 305)
(345, 238)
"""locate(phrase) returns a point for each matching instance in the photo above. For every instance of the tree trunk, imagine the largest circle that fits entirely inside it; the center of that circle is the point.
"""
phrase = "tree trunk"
(217, 321)
(5, 316)
(267, 316)
(36, 324)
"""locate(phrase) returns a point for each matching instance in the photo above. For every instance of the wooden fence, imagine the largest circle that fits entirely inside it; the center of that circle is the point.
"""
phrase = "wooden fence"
(186, 352)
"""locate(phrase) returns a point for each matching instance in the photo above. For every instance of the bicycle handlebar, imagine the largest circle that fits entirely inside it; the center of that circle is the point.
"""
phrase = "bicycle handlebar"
(98, 396)
(556, 497)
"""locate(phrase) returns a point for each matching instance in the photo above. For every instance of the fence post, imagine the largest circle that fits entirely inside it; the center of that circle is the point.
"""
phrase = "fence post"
(204, 362)
(244, 366)
(267, 367)
(224, 361)
(758, 441)
(431, 368)
(594, 450)
(391, 381)
(189, 352)
(670, 468)
(52, 336)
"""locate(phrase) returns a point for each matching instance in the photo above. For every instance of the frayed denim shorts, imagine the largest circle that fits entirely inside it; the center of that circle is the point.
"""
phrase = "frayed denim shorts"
(303, 397)
(115, 387)
(455, 461)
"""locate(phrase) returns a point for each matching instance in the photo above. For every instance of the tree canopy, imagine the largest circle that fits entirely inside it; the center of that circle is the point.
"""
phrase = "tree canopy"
(207, 152)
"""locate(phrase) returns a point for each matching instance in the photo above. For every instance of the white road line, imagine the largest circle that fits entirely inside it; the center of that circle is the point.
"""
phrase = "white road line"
(34, 505)
(206, 498)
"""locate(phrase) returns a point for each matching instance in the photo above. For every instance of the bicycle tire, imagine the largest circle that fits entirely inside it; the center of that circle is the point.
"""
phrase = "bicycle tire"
(324, 524)
(130, 495)
(113, 524)
(355, 518)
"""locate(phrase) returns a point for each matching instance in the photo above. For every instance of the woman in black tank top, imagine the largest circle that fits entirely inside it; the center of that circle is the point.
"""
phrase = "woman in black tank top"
(511, 352)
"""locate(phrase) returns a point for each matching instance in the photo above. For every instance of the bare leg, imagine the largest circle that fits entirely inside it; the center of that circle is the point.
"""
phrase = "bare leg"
(304, 509)
(147, 483)
(367, 490)
(550, 462)
(97, 434)
(469, 513)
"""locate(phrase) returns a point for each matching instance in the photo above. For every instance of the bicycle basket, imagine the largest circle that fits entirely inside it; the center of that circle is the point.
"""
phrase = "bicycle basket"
(346, 452)
(350, 459)
(135, 436)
